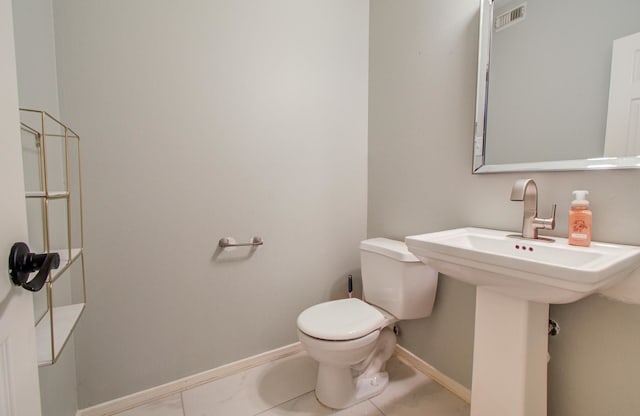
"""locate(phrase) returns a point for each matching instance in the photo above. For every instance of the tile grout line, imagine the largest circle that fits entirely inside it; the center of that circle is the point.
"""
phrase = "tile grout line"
(184, 411)
(280, 404)
(374, 405)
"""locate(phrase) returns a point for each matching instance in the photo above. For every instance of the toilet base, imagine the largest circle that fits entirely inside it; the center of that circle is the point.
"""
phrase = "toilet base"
(337, 387)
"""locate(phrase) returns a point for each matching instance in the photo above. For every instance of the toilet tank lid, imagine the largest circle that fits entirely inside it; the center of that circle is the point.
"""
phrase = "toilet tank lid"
(391, 248)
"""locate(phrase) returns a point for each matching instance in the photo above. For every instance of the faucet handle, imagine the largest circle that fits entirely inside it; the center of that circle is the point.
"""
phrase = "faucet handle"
(553, 217)
(546, 223)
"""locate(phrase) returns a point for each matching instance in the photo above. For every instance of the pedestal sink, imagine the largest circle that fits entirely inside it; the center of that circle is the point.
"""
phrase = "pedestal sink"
(516, 281)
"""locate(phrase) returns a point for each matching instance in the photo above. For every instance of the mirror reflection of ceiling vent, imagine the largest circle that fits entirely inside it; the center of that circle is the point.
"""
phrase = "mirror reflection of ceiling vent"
(510, 17)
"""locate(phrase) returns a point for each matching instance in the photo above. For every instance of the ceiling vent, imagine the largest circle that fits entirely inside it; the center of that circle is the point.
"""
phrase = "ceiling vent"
(510, 17)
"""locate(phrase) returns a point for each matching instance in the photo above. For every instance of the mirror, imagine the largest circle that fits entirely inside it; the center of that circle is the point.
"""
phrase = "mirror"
(553, 91)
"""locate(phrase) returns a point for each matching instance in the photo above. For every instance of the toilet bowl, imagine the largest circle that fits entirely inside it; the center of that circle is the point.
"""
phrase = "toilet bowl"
(352, 339)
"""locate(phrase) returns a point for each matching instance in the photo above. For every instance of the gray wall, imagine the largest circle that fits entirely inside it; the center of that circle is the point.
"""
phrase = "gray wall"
(421, 97)
(202, 120)
(38, 89)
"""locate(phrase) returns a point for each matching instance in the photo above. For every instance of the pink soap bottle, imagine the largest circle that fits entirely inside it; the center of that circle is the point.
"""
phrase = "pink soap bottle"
(580, 220)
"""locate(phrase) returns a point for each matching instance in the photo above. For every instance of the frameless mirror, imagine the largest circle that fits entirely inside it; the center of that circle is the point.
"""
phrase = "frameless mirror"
(558, 85)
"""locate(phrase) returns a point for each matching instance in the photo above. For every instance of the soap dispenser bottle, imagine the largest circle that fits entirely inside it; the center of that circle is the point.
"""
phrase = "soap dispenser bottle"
(580, 220)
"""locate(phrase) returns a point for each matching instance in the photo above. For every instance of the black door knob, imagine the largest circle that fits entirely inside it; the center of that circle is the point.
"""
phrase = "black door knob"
(22, 262)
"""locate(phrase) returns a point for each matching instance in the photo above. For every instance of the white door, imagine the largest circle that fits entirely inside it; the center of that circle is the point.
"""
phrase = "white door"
(19, 387)
(622, 137)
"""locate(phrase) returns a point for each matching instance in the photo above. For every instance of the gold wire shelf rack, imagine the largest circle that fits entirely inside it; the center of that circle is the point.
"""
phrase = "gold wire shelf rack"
(53, 177)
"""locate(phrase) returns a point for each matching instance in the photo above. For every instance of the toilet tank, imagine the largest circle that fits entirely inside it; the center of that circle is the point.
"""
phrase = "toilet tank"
(395, 280)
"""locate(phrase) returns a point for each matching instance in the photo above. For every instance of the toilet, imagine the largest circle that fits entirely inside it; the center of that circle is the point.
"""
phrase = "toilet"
(352, 339)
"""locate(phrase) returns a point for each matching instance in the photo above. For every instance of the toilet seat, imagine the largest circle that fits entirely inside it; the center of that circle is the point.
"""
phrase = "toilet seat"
(341, 320)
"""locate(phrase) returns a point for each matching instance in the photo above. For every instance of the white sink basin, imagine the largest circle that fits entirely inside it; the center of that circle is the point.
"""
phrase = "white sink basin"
(516, 281)
(546, 272)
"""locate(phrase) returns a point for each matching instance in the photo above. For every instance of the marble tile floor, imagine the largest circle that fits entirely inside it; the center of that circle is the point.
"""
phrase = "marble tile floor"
(285, 387)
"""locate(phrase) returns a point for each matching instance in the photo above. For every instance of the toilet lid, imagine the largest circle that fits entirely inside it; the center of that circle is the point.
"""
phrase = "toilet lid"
(340, 320)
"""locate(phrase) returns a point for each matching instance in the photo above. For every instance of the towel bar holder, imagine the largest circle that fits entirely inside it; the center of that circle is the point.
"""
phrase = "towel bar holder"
(230, 242)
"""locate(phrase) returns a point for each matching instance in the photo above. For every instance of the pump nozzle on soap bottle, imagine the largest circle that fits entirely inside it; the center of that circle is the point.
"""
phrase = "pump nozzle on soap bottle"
(580, 220)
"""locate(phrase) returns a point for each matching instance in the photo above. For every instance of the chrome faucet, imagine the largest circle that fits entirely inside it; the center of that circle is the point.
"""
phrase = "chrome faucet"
(526, 190)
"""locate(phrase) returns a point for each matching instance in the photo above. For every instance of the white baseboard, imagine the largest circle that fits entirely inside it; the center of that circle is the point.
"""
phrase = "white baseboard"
(136, 399)
(445, 381)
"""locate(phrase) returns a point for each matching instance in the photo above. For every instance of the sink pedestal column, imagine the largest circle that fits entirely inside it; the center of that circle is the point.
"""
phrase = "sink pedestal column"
(509, 356)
